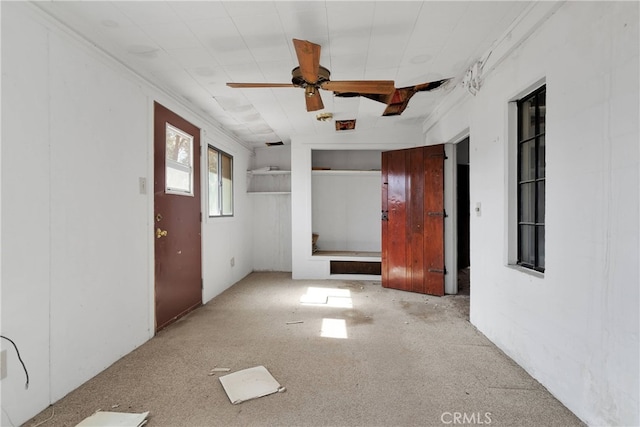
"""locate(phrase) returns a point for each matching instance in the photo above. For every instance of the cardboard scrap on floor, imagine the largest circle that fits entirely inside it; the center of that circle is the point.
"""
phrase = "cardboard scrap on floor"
(249, 384)
(114, 419)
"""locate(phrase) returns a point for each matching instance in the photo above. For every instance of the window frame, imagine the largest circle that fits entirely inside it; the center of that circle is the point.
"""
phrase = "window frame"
(172, 164)
(220, 202)
(539, 214)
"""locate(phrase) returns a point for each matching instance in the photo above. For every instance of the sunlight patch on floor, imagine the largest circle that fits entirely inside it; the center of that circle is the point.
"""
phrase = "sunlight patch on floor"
(328, 297)
(334, 328)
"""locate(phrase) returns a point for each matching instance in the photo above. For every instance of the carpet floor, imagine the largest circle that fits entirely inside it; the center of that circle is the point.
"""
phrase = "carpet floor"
(357, 354)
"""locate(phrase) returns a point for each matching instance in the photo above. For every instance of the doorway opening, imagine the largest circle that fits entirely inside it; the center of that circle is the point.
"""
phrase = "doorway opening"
(464, 215)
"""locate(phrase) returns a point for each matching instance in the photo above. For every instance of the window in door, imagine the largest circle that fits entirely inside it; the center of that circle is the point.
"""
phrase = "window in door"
(531, 180)
(178, 161)
(220, 183)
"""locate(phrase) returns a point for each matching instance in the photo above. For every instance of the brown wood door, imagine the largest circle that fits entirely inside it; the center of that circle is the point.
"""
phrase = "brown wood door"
(413, 219)
(177, 223)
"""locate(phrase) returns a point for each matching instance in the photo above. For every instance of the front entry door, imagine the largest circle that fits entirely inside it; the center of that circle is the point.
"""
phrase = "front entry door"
(413, 219)
(177, 224)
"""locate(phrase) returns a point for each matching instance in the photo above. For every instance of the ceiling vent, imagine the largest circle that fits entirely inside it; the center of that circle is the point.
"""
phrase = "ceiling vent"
(345, 125)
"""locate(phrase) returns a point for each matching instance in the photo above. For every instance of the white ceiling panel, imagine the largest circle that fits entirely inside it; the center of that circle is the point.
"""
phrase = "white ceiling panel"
(174, 36)
(151, 12)
(193, 48)
(198, 10)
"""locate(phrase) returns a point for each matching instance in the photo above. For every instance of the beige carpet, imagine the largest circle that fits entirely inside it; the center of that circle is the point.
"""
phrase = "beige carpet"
(407, 360)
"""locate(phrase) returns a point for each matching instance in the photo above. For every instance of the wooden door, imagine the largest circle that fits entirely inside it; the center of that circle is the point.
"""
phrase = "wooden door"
(177, 220)
(413, 219)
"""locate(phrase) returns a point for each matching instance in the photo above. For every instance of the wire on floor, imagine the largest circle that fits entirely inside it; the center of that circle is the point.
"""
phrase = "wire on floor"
(26, 373)
(53, 412)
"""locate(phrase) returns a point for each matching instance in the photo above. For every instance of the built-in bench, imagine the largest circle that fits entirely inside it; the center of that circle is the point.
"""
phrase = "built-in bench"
(354, 264)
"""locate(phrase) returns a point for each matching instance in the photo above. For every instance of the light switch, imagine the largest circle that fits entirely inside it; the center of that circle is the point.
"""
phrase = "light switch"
(142, 185)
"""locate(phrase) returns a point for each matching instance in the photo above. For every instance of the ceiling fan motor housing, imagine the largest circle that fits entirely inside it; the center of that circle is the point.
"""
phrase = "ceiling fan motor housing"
(298, 80)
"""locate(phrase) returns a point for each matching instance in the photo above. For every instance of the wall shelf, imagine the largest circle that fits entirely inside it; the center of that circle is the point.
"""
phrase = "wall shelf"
(269, 182)
(268, 193)
(346, 172)
(271, 172)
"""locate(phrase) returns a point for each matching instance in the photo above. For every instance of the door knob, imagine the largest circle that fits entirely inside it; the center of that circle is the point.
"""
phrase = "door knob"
(161, 233)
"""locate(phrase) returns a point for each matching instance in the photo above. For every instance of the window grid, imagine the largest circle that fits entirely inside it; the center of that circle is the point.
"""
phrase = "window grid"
(531, 180)
(220, 180)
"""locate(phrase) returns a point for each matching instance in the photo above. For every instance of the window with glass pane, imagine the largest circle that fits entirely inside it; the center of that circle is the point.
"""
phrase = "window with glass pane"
(220, 183)
(178, 161)
(531, 179)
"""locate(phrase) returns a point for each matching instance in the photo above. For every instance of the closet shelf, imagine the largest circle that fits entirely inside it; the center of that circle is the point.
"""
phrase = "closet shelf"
(271, 172)
(345, 172)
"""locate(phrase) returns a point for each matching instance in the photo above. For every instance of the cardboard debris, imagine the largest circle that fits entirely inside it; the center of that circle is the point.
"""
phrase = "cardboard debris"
(249, 384)
(114, 419)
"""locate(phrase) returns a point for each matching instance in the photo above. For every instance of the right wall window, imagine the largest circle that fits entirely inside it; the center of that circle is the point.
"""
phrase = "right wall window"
(531, 179)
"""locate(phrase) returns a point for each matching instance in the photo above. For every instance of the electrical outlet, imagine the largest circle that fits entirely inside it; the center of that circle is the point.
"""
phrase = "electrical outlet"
(3, 364)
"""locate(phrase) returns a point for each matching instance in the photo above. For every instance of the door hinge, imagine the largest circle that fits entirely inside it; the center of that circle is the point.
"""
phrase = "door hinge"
(201, 283)
(442, 214)
(437, 270)
(385, 216)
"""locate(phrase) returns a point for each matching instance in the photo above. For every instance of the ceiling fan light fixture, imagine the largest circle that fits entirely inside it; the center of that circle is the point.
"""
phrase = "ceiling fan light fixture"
(310, 91)
(324, 117)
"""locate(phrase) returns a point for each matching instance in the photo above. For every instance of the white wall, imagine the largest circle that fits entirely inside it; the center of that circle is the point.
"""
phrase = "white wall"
(271, 241)
(228, 237)
(77, 242)
(575, 328)
(346, 209)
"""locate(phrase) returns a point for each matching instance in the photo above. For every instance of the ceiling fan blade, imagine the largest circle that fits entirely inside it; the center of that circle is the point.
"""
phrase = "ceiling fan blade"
(360, 86)
(250, 85)
(314, 101)
(309, 59)
(430, 85)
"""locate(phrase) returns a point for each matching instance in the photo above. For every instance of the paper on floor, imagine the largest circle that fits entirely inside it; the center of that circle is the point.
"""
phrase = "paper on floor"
(114, 419)
(249, 384)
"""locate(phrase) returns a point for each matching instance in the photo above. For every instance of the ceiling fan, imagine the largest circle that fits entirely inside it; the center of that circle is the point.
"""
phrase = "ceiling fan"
(311, 76)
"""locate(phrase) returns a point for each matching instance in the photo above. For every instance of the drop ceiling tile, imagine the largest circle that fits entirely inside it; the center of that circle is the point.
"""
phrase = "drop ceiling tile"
(444, 14)
(387, 47)
(208, 77)
(245, 73)
(269, 47)
(243, 8)
(277, 71)
(305, 25)
(221, 37)
(394, 14)
(98, 14)
(193, 57)
(127, 37)
(147, 12)
(348, 67)
(174, 36)
(198, 10)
